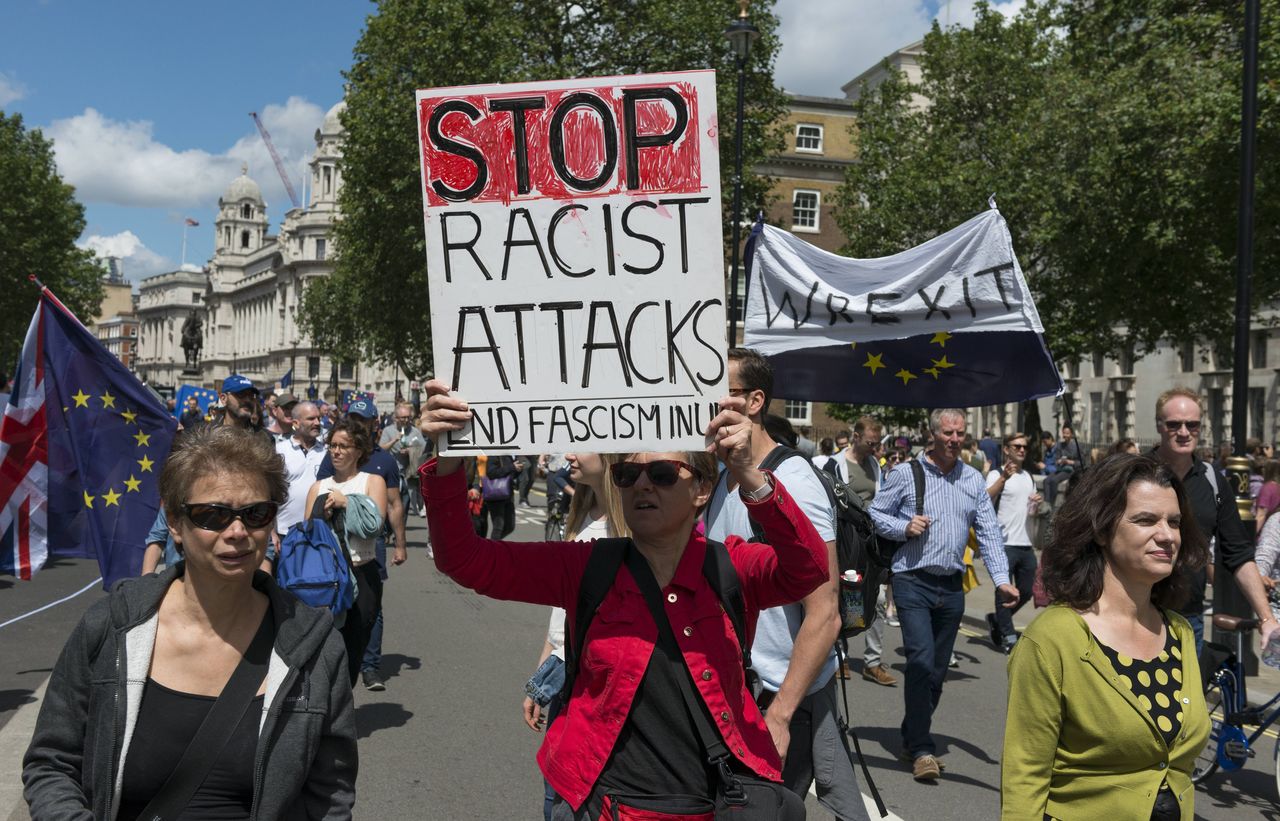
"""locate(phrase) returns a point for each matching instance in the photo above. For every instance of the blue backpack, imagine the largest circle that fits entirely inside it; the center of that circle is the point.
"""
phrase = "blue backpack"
(313, 566)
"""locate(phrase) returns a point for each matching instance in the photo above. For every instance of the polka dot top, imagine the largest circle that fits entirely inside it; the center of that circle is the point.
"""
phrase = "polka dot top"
(1157, 683)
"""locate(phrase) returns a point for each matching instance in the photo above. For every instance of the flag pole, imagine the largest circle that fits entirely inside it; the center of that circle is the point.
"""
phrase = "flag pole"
(36, 280)
(184, 244)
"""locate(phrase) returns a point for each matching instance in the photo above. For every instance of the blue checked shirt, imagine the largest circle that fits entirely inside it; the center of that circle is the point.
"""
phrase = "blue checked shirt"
(955, 502)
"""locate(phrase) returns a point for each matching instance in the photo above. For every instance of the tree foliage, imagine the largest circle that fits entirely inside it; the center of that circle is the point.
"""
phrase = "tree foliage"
(40, 221)
(376, 302)
(1109, 132)
(894, 419)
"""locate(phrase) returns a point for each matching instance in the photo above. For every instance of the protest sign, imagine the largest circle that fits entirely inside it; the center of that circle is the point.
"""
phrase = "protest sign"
(575, 261)
(949, 323)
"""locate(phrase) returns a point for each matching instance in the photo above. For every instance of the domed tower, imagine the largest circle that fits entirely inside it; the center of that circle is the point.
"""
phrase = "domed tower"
(241, 226)
(325, 179)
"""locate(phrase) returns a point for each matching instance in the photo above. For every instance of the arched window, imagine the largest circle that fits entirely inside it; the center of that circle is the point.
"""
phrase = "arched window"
(244, 239)
(227, 232)
(246, 211)
(328, 180)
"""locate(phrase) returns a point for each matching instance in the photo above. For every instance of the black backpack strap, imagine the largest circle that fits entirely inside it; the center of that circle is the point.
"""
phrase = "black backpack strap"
(917, 473)
(719, 571)
(606, 557)
(846, 726)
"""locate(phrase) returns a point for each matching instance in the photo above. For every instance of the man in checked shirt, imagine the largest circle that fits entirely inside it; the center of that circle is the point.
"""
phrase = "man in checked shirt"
(929, 567)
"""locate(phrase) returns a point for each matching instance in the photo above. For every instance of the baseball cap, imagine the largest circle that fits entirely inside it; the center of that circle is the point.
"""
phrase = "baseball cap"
(362, 407)
(235, 383)
(286, 401)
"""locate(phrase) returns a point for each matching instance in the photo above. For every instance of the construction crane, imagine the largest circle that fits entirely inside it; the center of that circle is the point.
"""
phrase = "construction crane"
(275, 157)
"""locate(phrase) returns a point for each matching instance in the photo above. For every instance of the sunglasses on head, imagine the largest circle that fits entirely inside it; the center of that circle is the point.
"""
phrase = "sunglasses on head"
(218, 517)
(661, 472)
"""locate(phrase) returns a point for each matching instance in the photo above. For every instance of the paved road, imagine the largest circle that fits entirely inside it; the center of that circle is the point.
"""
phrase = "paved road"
(445, 740)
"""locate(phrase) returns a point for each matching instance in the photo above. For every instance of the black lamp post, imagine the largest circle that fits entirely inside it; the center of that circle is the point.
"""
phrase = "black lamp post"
(740, 34)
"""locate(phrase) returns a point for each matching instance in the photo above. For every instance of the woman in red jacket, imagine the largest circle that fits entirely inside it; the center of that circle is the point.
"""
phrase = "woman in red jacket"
(625, 738)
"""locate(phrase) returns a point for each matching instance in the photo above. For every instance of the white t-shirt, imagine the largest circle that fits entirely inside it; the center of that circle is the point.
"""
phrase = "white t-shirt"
(360, 550)
(300, 467)
(776, 630)
(1015, 504)
(599, 529)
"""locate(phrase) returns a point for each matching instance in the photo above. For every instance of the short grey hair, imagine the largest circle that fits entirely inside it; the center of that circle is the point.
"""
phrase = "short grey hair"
(936, 417)
(299, 407)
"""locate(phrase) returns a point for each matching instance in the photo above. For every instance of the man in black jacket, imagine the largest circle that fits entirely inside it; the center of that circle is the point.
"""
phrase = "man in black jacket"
(1178, 414)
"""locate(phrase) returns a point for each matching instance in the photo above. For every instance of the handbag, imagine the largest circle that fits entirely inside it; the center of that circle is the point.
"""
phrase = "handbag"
(495, 490)
(739, 797)
(216, 729)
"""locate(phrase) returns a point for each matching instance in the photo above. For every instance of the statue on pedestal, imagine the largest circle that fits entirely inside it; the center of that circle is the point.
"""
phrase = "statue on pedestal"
(192, 340)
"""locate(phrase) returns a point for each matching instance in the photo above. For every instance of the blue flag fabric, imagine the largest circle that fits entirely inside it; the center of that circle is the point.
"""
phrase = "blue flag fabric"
(287, 379)
(107, 439)
(949, 323)
(204, 398)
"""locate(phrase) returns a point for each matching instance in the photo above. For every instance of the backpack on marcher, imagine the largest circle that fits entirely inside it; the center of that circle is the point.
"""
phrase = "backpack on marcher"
(313, 565)
(857, 559)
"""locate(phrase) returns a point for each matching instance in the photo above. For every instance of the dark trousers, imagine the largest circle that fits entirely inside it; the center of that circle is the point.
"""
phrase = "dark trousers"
(502, 517)
(1022, 572)
(929, 609)
(361, 618)
(524, 480)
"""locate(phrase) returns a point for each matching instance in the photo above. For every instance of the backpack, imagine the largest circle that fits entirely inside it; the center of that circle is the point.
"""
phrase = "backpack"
(313, 565)
(857, 557)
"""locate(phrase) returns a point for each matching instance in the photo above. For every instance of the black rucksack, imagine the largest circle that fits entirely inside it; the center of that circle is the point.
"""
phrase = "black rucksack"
(857, 557)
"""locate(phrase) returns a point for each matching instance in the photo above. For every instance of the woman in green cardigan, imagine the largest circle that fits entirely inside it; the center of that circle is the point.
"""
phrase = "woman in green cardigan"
(1106, 715)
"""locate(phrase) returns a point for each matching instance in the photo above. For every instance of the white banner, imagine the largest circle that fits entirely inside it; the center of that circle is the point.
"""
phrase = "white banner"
(575, 261)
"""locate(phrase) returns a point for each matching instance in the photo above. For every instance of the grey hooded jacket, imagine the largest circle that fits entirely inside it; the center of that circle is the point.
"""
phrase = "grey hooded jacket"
(306, 758)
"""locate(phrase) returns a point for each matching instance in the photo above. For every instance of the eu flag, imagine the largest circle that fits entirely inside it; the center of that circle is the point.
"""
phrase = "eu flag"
(82, 445)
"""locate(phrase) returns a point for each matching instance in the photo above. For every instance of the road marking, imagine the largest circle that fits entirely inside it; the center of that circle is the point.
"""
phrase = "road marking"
(51, 604)
(14, 738)
(870, 804)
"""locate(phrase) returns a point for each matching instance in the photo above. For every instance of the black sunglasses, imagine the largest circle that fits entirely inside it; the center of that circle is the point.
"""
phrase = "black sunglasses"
(218, 517)
(662, 472)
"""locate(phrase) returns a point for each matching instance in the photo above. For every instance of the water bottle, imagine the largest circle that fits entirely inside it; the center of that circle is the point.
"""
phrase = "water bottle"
(1271, 650)
(851, 598)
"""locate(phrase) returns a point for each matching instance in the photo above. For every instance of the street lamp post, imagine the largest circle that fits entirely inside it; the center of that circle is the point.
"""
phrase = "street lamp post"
(740, 34)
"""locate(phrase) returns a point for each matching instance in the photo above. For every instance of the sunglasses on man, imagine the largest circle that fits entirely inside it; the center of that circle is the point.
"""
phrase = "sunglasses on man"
(1175, 425)
(661, 472)
(218, 517)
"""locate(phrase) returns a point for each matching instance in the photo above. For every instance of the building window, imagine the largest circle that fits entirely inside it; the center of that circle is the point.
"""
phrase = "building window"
(328, 181)
(226, 232)
(1257, 412)
(246, 211)
(195, 297)
(797, 411)
(1095, 417)
(320, 249)
(313, 367)
(1099, 361)
(1187, 355)
(809, 138)
(346, 370)
(804, 210)
(1073, 369)
(1121, 400)
(1126, 364)
(1258, 349)
(244, 239)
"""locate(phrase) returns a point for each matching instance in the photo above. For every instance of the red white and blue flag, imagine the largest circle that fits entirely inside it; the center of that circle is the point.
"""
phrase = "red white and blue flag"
(82, 442)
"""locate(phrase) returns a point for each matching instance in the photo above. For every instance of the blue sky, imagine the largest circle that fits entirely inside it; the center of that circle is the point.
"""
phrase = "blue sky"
(148, 102)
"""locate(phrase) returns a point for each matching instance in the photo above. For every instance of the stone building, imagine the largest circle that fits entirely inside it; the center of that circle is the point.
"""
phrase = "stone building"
(248, 296)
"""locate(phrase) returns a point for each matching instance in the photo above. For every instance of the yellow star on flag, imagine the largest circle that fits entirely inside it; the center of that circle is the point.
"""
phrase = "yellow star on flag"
(874, 362)
(934, 372)
(132, 485)
(82, 399)
(941, 338)
(943, 363)
(111, 498)
(108, 401)
(88, 500)
(142, 438)
(129, 415)
(145, 464)
(906, 376)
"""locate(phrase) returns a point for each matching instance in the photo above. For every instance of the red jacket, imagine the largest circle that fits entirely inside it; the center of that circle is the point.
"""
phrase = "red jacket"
(622, 633)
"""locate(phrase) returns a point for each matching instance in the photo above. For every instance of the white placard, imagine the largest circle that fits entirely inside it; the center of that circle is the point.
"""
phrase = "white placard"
(575, 261)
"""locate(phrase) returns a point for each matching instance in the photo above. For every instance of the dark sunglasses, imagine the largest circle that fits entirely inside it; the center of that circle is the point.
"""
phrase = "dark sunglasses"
(218, 517)
(662, 472)
(1174, 425)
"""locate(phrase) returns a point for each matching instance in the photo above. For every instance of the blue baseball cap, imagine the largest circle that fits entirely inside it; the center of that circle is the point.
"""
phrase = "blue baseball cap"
(235, 383)
(362, 407)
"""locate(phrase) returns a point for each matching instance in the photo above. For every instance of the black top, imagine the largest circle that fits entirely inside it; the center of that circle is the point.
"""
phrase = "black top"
(1220, 519)
(1156, 683)
(167, 721)
(658, 751)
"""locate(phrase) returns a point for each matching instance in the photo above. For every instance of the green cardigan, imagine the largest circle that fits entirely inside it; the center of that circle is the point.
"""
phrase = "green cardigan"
(1077, 744)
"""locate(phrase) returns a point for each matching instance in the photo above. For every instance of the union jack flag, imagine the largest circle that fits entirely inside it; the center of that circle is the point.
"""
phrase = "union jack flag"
(82, 442)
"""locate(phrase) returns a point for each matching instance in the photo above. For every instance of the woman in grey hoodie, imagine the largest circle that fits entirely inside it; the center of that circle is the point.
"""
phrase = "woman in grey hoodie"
(145, 665)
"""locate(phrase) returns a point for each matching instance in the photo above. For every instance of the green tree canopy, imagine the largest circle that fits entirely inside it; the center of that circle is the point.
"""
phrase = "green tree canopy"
(376, 303)
(40, 221)
(1109, 132)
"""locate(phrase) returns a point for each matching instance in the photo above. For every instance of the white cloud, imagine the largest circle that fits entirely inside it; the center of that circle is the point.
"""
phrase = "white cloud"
(136, 259)
(10, 89)
(827, 44)
(112, 161)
